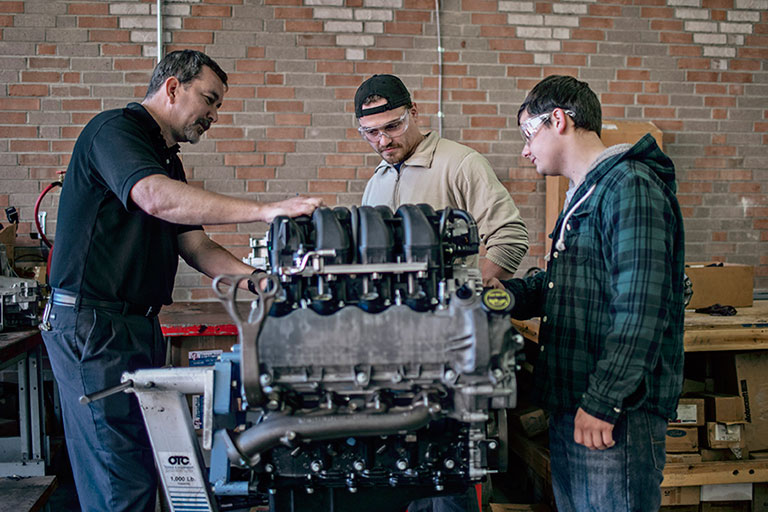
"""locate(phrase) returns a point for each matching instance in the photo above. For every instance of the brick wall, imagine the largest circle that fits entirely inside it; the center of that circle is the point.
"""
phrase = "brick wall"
(696, 68)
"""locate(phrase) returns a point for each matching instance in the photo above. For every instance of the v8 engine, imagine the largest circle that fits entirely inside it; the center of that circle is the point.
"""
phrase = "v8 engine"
(371, 369)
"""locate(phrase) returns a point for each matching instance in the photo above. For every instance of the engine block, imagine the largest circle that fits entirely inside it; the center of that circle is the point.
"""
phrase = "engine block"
(372, 364)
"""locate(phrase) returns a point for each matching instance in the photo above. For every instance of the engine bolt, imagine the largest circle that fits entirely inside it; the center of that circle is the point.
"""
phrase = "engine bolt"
(265, 379)
(492, 445)
(269, 468)
(449, 464)
(450, 375)
(316, 466)
(402, 464)
(358, 465)
(361, 377)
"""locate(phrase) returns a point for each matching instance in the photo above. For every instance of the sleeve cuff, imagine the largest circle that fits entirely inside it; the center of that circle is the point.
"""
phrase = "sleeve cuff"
(599, 409)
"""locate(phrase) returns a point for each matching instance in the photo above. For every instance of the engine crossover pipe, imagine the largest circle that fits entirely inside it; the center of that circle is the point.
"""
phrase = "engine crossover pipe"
(246, 447)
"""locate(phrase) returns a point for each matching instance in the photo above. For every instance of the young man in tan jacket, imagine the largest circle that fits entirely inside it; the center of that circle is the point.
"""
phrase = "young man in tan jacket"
(418, 168)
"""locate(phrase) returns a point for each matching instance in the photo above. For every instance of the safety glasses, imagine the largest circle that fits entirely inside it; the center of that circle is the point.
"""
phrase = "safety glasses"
(391, 129)
(531, 126)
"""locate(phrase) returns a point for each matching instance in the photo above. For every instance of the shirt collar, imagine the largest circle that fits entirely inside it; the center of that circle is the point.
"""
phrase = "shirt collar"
(421, 157)
(141, 113)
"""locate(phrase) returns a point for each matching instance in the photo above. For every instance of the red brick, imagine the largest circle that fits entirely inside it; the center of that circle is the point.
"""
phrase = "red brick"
(685, 51)
(353, 146)
(342, 80)
(620, 99)
(479, 5)
(383, 55)
(316, 187)
(225, 132)
(276, 146)
(564, 59)
(201, 23)
(339, 173)
(112, 36)
(470, 109)
(283, 2)
(5, 21)
(245, 78)
(702, 76)
(720, 151)
(482, 135)
(403, 28)
(27, 90)
(256, 186)
(720, 101)
(579, 47)
(335, 67)
(656, 12)
(633, 74)
(255, 173)
(13, 7)
(12, 118)
(72, 132)
(745, 188)
(590, 22)
(182, 37)
(524, 71)
(654, 112)
(588, 35)
(273, 159)
(488, 122)
(653, 99)
(293, 13)
(745, 78)
(303, 26)
(255, 65)
(46, 49)
(516, 58)
(326, 53)
(506, 44)
(419, 16)
(479, 96)
(221, 11)
(489, 19)
(497, 31)
(613, 11)
(100, 22)
(244, 159)
(315, 40)
(703, 63)
(419, 4)
(19, 104)
(293, 119)
(629, 87)
(670, 26)
(48, 62)
(27, 132)
(134, 64)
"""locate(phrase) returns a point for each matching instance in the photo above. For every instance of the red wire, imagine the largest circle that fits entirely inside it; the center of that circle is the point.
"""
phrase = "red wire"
(37, 207)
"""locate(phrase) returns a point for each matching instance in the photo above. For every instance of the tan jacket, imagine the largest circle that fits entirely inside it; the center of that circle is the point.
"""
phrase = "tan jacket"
(445, 173)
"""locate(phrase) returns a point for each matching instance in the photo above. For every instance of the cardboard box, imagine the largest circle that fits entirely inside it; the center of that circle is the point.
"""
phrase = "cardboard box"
(689, 495)
(711, 455)
(724, 408)
(690, 413)
(721, 435)
(728, 285)
(746, 374)
(682, 439)
(531, 421)
(629, 132)
(726, 492)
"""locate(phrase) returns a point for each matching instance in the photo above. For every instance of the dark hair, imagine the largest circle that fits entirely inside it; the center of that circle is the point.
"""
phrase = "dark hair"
(559, 91)
(185, 65)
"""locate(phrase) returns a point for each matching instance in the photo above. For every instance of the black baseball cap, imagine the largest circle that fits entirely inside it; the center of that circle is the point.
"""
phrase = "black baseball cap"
(388, 87)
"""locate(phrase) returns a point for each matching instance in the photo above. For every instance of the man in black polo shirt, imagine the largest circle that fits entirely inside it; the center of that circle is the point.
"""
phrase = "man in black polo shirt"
(125, 216)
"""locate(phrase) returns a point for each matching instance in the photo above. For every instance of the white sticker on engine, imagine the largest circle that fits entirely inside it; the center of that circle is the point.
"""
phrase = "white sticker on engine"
(186, 490)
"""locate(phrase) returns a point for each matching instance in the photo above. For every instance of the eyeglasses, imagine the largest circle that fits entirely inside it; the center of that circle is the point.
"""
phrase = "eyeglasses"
(391, 129)
(531, 126)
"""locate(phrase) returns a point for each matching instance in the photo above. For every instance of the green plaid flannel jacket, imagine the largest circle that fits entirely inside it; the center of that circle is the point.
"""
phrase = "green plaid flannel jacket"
(611, 302)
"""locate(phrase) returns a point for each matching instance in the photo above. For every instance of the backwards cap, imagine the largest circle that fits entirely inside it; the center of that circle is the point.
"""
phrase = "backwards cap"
(388, 87)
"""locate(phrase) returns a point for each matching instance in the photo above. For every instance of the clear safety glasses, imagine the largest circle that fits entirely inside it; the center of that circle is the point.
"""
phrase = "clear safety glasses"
(391, 129)
(531, 126)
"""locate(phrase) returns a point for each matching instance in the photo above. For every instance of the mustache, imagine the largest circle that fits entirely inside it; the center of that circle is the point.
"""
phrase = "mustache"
(204, 123)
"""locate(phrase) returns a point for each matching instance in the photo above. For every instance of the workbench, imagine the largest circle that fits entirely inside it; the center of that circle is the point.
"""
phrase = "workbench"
(747, 330)
(24, 455)
(196, 326)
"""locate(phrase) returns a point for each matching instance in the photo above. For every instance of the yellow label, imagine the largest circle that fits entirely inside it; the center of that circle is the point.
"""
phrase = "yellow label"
(497, 300)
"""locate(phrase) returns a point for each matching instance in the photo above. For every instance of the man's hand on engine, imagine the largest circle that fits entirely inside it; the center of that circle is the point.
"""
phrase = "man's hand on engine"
(493, 282)
(293, 207)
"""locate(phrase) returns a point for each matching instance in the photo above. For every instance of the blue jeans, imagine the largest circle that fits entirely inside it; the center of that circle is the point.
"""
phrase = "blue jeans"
(466, 502)
(624, 478)
(107, 442)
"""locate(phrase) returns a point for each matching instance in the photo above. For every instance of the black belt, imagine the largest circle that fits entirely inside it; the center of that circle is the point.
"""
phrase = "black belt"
(68, 299)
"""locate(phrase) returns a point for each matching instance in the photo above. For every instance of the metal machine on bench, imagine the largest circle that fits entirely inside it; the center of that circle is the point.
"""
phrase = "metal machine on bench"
(372, 369)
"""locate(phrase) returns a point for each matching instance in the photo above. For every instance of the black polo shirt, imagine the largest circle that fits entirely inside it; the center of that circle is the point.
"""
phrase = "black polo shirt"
(106, 247)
